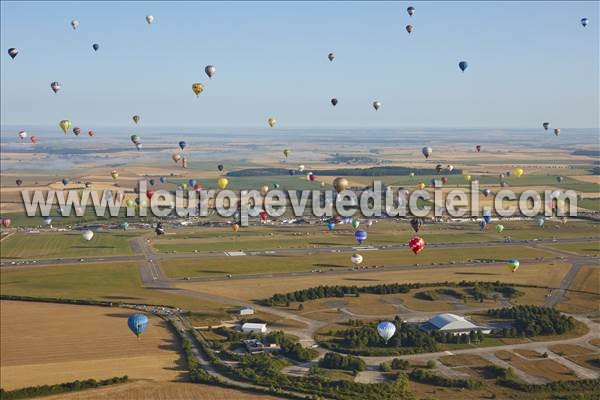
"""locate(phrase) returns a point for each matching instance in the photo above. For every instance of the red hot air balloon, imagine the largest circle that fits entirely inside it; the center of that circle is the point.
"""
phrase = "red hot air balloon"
(263, 215)
(150, 193)
(197, 187)
(33, 139)
(6, 222)
(416, 244)
(444, 179)
(91, 133)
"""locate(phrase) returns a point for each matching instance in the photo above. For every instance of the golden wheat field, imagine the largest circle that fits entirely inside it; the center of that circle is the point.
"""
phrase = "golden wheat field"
(43, 343)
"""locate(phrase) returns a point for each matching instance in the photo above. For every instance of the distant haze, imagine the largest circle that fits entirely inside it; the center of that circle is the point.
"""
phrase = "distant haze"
(529, 62)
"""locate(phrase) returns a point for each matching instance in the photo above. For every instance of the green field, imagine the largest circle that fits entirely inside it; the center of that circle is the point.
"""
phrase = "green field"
(64, 245)
(220, 266)
(380, 234)
(584, 249)
(105, 282)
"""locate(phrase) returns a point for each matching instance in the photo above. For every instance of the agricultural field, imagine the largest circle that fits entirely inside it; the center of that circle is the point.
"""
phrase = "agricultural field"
(45, 343)
(64, 244)
(545, 368)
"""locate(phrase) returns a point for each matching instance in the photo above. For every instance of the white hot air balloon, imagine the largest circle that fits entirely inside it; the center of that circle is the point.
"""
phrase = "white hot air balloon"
(301, 168)
(149, 19)
(356, 259)
(74, 24)
(87, 235)
(386, 330)
(22, 134)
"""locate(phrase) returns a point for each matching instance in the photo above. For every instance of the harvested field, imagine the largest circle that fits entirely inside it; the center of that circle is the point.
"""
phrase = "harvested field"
(460, 360)
(44, 343)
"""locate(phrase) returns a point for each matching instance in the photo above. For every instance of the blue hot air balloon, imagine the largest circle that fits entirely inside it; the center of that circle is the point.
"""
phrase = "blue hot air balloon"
(291, 171)
(182, 145)
(487, 216)
(95, 46)
(137, 201)
(330, 225)
(47, 220)
(137, 323)
(463, 65)
(360, 236)
(151, 182)
(65, 181)
(584, 22)
(386, 330)
(192, 182)
(163, 179)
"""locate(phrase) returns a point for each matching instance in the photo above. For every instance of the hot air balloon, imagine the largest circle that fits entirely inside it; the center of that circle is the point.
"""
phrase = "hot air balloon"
(416, 223)
(114, 174)
(340, 184)
(331, 56)
(556, 131)
(463, 65)
(87, 235)
(149, 19)
(444, 180)
(330, 225)
(416, 244)
(124, 225)
(450, 168)
(184, 186)
(411, 174)
(300, 168)
(334, 102)
(410, 11)
(12, 52)
(487, 215)
(355, 223)
(151, 182)
(163, 179)
(197, 88)
(478, 148)
(513, 265)
(438, 168)
(74, 24)
(136, 118)
(360, 236)
(356, 259)
(6, 222)
(95, 46)
(518, 172)
(55, 86)
(138, 146)
(182, 145)
(271, 121)
(135, 139)
(47, 220)
(19, 182)
(76, 131)
(191, 182)
(264, 189)
(129, 202)
(376, 105)
(22, 135)
(222, 182)
(210, 70)
(286, 152)
(540, 220)
(468, 178)
(91, 133)
(386, 330)
(559, 179)
(482, 225)
(486, 192)
(220, 167)
(176, 157)
(137, 323)
(65, 181)
(159, 230)
(584, 22)
(235, 227)
(421, 185)
(409, 29)
(499, 228)
(311, 177)
(426, 151)
(546, 125)
(150, 192)
(34, 139)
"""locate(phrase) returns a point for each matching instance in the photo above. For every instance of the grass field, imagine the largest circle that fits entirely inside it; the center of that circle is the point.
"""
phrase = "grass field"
(106, 282)
(546, 368)
(583, 249)
(471, 360)
(46, 343)
(144, 390)
(219, 266)
(540, 274)
(63, 244)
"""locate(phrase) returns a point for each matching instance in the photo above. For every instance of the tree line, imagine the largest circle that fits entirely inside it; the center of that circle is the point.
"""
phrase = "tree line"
(532, 320)
(46, 390)
(339, 361)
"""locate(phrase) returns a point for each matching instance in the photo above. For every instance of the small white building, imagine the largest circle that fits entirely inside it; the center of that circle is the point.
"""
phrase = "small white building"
(452, 323)
(247, 311)
(251, 327)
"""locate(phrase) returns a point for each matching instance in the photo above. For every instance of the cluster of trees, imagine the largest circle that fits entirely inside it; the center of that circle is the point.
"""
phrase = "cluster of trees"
(291, 348)
(423, 376)
(464, 338)
(373, 171)
(533, 320)
(479, 290)
(338, 361)
(46, 390)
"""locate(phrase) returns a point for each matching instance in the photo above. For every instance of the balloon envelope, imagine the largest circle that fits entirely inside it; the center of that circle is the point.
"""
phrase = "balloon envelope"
(95, 46)
(356, 259)
(463, 65)
(87, 235)
(416, 244)
(360, 236)
(513, 265)
(386, 330)
(12, 52)
(137, 323)
(210, 70)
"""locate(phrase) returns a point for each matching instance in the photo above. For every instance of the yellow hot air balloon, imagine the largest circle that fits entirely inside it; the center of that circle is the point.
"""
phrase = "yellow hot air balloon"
(340, 184)
(197, 88)
(518, 172)
(286, 152)
(421, 186)
(176, 157)
(272, 121)
(223, 182)
(114, 174)
(468, 178)
(65, 125)
(264, 189)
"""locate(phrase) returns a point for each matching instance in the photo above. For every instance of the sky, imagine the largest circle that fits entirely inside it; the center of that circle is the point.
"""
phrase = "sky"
(529, 62)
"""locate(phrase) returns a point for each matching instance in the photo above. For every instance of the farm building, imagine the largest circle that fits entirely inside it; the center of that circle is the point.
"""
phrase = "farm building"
(251, 327)
(247, 311)
(452, 323)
